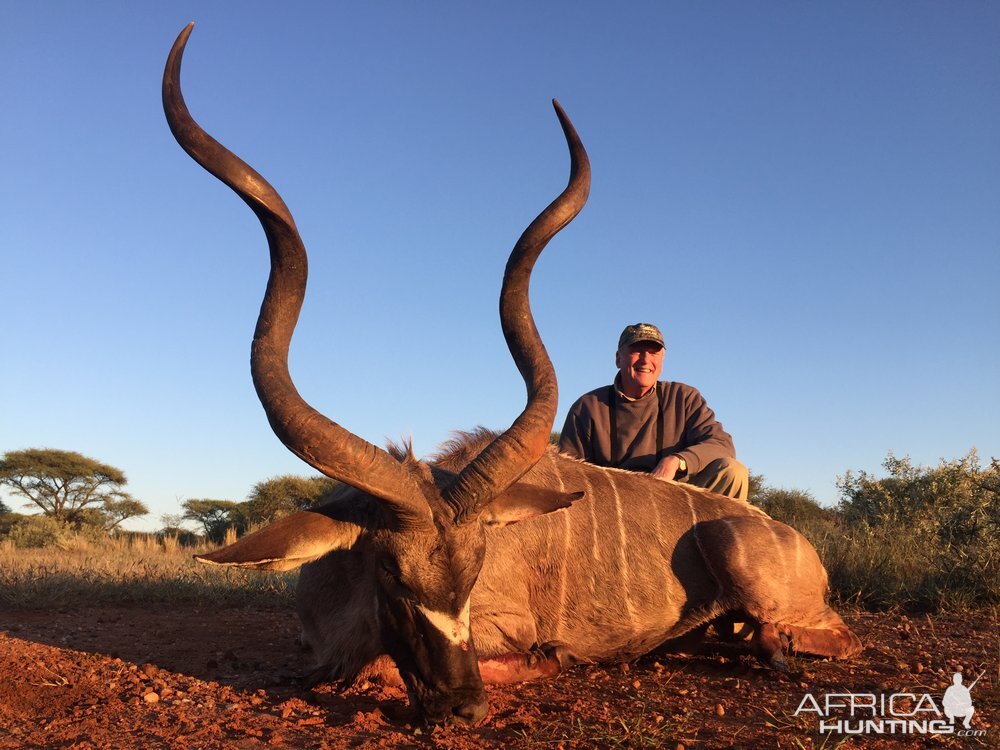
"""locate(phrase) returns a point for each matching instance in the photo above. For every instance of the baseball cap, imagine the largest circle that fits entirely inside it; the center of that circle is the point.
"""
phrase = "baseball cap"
(640, 332)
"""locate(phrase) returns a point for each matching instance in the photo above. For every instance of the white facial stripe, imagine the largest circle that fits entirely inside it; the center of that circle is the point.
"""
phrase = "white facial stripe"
(455, 629)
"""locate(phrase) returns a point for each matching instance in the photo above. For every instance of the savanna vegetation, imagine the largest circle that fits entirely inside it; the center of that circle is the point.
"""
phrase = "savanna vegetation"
(129, 569)
(70, 488)
(919, 538)
(74, 552)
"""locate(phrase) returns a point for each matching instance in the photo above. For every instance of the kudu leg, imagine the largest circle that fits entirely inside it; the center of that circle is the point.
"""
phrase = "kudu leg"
(769, 571)
(835, 639)
(771, 641)
(769, 647)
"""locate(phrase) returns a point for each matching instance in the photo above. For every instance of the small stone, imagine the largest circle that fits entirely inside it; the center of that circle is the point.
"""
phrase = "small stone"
(151, 698)
(720, 710)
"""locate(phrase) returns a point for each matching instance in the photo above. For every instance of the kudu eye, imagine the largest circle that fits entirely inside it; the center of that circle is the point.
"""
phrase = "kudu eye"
(393, 577)
(389, 567)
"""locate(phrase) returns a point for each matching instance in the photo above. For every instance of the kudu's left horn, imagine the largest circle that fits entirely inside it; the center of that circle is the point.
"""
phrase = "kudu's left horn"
(320, 442)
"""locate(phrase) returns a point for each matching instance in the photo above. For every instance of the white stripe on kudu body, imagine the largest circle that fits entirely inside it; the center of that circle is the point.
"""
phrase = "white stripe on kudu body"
(622, 542)
(694, 514)
(668, 577)
(567, 535)
(563, 570)
(455, 629)
(595, 546)
(779, 550)
(741, 558)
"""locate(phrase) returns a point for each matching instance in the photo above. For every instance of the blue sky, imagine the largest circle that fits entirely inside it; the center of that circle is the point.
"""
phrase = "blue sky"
(804, 196)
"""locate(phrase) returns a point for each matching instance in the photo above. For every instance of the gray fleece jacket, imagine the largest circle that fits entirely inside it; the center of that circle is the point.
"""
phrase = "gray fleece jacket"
(690, 429)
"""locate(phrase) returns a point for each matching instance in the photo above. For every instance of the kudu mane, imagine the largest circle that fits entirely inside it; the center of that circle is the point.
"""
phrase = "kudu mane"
(453, 455)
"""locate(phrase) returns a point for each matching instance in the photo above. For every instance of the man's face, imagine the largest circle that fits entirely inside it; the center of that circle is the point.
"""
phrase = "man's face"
(640, 365)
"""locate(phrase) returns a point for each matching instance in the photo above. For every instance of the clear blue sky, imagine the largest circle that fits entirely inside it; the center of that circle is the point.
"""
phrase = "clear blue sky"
(804, 196)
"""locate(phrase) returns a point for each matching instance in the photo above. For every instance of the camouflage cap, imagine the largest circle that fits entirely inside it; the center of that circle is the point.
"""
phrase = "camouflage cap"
(640, 332)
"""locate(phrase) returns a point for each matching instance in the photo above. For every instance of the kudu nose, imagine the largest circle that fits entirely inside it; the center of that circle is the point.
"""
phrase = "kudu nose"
(471, 713)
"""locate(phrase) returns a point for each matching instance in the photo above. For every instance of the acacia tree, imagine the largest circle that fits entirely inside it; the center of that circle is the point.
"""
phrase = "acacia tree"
(69, 486)
(118, 509)
(278, 496)
(215, 516)
(173, 524)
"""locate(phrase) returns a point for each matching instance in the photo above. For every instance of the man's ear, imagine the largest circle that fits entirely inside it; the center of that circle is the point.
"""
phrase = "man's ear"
(521, 501)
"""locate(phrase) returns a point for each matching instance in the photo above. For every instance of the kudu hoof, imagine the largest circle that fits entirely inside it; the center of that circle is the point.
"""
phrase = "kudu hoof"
(768, 645)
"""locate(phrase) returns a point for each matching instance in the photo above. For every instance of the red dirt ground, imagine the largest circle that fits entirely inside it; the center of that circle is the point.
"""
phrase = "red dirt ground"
(187, 678)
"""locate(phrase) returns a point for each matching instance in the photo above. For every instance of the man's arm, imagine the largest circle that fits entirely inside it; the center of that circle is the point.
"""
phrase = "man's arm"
(704, 436)
(575, 438)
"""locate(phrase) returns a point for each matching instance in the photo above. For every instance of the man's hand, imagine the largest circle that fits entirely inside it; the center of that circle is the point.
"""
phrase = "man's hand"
(667, 468)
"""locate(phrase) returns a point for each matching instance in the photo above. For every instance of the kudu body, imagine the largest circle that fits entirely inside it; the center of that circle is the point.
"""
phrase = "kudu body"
(635, 563)
(428, 565)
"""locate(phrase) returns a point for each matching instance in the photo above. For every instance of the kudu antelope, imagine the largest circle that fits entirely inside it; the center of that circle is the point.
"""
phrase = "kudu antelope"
(427, 563)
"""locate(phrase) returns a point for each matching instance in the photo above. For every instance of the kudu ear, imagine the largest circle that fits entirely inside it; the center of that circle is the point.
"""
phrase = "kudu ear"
(522, 500)
(287, 543)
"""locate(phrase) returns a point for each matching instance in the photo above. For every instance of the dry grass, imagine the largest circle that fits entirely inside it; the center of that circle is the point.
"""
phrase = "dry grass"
(139, 570)
(647, 729)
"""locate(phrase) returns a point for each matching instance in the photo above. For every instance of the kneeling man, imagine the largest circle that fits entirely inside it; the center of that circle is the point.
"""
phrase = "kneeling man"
(642, 424)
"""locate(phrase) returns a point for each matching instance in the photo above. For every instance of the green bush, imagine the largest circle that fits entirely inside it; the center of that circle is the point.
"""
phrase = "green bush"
(922, 538)
(35, 531)
(38, 531)
(879, 568)
(794, 507)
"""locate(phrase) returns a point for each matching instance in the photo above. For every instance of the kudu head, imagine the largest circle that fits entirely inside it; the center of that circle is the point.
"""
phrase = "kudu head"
(421, 533)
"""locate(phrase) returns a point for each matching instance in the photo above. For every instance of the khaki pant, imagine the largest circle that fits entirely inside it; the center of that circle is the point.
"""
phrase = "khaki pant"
(726, 476)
